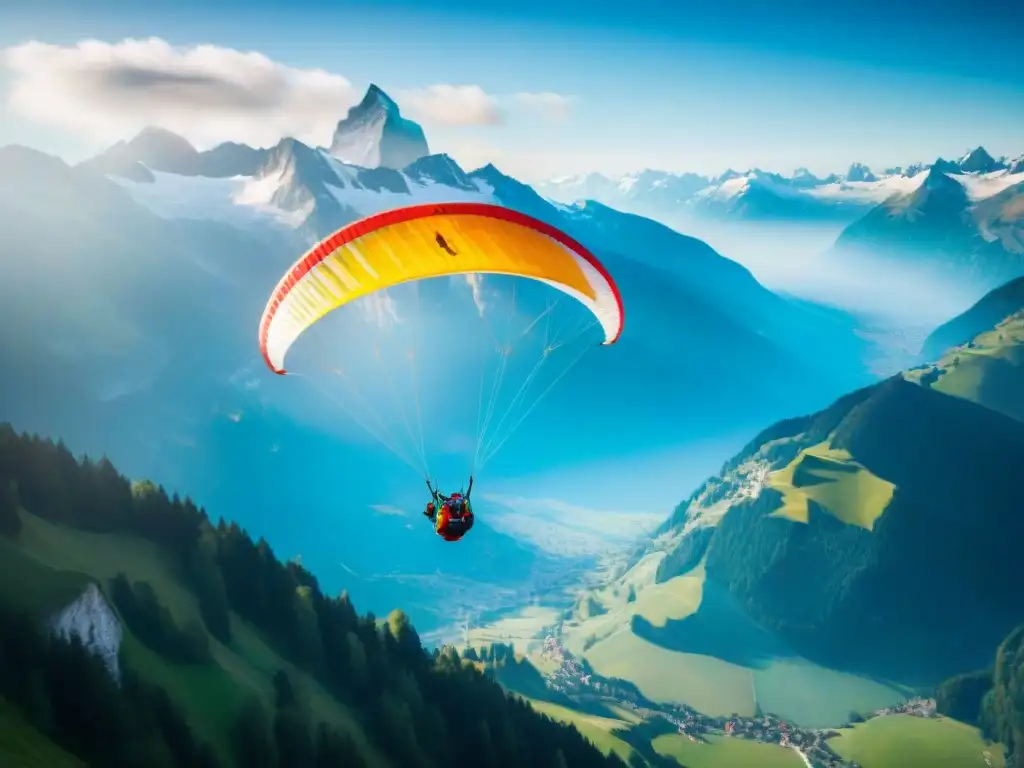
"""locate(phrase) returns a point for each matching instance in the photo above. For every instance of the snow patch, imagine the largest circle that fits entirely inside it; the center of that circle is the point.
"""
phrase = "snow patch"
(626, 183)
(866, 192)
(980, 186)
(368, 202)
(239, 200)
(727, 190)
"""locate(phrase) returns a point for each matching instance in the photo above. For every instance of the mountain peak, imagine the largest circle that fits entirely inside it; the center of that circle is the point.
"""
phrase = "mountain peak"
(804, 178)
(160, 141)
(374, 134)
(375, 95)
(438, 169)
(860, 172)
(152, 149)
(938, 177)
(943, 166)
(978, 160)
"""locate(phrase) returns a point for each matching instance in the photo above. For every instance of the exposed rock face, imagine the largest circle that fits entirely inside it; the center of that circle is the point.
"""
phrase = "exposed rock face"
(375, 135)
(92, 619)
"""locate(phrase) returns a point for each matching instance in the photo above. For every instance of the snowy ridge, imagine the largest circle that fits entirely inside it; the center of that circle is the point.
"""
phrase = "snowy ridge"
(660, 194)
(289, 189)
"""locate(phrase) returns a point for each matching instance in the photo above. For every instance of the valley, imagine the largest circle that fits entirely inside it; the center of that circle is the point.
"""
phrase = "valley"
(777, 524)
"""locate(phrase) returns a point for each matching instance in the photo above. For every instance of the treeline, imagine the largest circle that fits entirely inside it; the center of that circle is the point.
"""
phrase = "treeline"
(992, 699)
(417, 709)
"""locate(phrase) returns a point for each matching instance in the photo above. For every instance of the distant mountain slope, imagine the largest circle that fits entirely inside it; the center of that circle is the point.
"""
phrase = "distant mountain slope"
(985, 370)
(956, 226)
(989, 311)
(155, 149)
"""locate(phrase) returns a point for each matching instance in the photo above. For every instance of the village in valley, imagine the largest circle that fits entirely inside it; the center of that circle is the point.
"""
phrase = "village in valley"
(574, 679)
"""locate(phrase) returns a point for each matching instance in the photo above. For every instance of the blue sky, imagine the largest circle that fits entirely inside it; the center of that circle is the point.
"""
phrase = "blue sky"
(681, 86)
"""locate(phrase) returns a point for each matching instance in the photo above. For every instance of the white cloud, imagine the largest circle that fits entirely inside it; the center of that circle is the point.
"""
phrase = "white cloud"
(554, 106)
(387, 509)
(445, 104)
(205, 93)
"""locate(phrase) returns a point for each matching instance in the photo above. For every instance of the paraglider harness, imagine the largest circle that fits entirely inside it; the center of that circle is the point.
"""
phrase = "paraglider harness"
(452, 516)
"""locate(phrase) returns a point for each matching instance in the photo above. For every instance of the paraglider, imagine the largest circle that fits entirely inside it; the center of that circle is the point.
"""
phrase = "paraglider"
(413, 244)
(452, 516)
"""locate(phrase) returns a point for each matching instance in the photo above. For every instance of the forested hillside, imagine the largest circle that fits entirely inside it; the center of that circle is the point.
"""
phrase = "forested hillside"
(863, 532)
(228, 656)
(993, 698)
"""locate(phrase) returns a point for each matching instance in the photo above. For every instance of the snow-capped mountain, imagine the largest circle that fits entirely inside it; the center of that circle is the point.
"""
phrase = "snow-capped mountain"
(967, 225)
(375, 135)
(858, 172)
(309, 192)
(763, 195)
(980, 161)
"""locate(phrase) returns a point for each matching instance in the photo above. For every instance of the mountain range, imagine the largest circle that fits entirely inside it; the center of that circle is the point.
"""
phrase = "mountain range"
(130, 330)
(759, 195)
(957, 220)
(958, 226)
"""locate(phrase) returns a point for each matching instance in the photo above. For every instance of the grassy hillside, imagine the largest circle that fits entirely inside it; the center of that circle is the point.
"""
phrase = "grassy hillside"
(899, 741)
(600, 730)
(23, 746)
(985, 370)
(723, 752)
(987, 313)
(831, 481)
(228, 656)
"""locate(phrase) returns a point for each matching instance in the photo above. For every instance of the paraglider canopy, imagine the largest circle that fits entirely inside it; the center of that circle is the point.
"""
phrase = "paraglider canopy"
(403, 250)
(425, 241)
